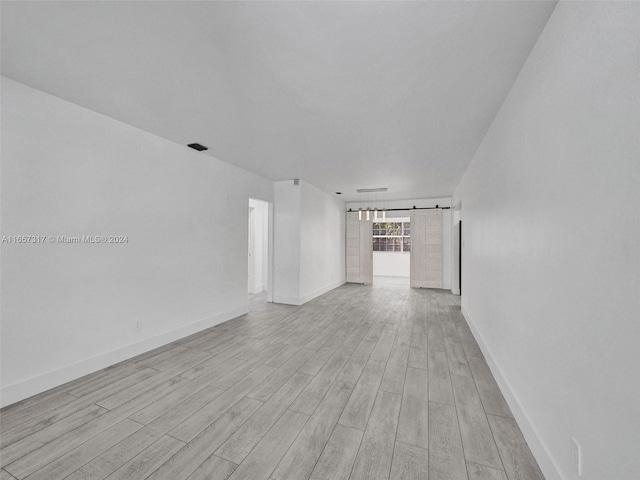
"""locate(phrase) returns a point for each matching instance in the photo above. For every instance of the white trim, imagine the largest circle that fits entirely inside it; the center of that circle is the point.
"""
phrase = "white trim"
(288, 300)
(21, 390)
(534, 440)
(320, 291)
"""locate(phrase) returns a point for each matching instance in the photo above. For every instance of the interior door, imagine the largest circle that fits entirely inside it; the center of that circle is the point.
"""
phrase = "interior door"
(366, 252)
(426, 248)
(359, 250)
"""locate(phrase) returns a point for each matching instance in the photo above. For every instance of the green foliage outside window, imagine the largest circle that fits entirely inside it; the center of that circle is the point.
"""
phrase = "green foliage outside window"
(391, 237)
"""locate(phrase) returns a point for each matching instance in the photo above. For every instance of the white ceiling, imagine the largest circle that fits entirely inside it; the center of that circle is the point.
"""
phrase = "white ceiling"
(344, 95)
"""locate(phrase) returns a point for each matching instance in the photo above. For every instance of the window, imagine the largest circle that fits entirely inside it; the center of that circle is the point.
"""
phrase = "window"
(391, 237)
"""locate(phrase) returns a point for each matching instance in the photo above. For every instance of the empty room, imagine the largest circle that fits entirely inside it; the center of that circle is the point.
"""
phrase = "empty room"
(320, 240)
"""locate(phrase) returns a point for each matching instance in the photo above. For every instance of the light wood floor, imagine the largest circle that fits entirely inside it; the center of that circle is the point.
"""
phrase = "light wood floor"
(365, 382)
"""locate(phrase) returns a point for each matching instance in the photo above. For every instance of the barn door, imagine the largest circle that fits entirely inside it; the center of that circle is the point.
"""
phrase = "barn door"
(426, 248)
(359, 250)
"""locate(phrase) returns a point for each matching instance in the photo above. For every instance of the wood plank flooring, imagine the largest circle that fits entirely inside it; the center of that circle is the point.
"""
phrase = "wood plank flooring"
(364, 382)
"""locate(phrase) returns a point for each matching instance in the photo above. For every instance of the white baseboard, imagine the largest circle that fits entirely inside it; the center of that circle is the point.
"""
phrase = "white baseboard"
(290, 300)
(320, 291)
(531, 435)
(24, 389)
(287, 300)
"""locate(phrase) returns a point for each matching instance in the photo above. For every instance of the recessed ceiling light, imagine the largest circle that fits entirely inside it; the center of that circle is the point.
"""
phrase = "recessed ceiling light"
(371, 190)
(197, 146)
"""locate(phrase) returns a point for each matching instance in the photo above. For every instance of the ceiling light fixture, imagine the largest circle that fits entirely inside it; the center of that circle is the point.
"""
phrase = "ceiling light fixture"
(375, 209)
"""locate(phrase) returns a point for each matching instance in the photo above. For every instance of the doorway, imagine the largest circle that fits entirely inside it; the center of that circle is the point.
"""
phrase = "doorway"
(392, 251)
(411, 250)
(259, 257)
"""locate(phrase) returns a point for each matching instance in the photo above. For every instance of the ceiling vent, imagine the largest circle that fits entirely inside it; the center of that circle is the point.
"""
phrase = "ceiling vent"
(197, 146)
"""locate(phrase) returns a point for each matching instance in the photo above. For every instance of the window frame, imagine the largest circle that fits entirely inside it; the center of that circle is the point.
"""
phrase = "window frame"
(403, 240)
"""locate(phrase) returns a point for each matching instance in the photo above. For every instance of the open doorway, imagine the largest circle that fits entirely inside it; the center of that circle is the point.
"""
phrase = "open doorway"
(392, 251)
(259, 252)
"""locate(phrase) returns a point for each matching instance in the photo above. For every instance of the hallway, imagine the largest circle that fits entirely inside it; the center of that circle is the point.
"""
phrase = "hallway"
(364, 382)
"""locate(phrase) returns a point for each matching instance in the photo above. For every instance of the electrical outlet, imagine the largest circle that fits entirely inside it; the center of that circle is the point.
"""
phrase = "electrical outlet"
(576, 456)
(137, 325)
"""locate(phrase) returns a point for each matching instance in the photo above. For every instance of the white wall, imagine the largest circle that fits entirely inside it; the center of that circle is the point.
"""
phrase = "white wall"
(322, 242)
(551, 257)
(309, 238)
(267, 212)
(70, 309)
(286, 232)
(455, 250)
(391, 264)
(447, 250)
